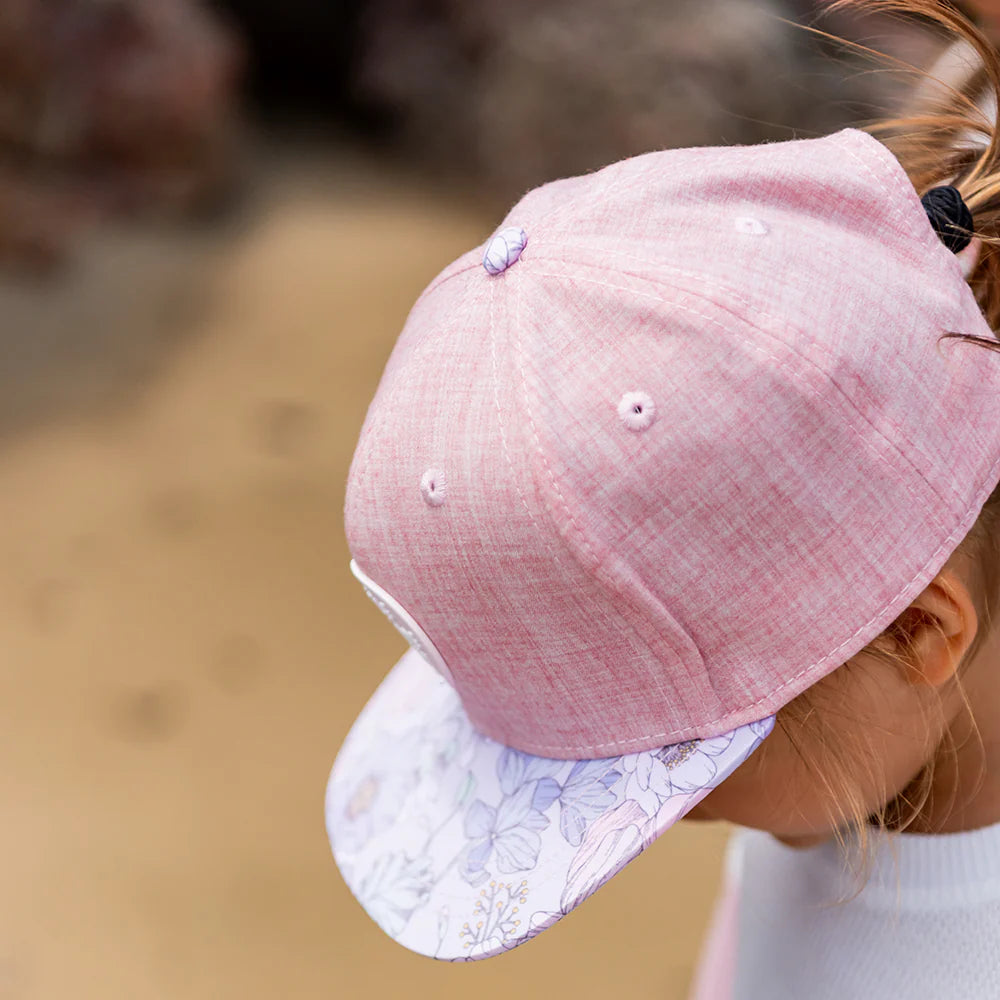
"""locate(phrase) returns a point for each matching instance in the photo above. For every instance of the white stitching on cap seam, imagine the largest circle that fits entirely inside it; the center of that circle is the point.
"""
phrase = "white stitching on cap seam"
(733, 293)
(773, 357)
(712, 284)
(561, 748)
(503, 437)
(558, 556)
(390, 399)
(519, 354)
(878, 180)
(571, 207)
(682, 733)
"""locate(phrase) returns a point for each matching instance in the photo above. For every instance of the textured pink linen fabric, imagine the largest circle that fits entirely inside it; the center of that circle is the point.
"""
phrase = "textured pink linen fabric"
(814, 454)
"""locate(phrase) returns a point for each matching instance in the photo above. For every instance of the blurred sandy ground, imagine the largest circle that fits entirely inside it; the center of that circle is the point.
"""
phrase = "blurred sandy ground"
(184, 647)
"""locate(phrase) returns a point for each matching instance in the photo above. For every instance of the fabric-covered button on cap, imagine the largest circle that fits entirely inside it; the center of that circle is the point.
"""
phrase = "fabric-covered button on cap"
(503, 249)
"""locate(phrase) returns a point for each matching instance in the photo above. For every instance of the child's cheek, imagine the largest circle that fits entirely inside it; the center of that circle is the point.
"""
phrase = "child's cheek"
(772, 791)
(865, 736)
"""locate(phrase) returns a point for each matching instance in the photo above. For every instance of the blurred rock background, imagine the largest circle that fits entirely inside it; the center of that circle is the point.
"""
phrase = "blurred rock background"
(213, 221)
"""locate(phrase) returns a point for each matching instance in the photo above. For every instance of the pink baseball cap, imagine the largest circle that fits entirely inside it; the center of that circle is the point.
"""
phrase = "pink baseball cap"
(679, 441)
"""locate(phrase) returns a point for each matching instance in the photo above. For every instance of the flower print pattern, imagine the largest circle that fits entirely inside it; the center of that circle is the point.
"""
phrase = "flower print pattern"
(585, 795)
(423, 810)
(393, 888)
(514, 768)
(444, 782)
(640, 772)
(508, 832)
(652, 777)
(495, 922)
(691, 765)
(369, 803)
(433, 766)
(609, 844)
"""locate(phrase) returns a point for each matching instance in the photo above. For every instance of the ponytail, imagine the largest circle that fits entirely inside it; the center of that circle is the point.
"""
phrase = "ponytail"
(946, 133)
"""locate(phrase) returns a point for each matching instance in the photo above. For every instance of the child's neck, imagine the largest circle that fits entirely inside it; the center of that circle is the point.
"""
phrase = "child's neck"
(965, 789)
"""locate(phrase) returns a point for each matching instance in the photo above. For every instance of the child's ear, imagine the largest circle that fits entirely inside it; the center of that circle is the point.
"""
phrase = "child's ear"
(941, 624)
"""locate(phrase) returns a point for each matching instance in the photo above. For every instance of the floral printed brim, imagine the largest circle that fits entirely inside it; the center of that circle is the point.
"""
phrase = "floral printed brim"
(462, 848)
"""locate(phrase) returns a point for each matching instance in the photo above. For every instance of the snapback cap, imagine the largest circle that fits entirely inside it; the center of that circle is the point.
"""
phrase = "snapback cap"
(677, 442)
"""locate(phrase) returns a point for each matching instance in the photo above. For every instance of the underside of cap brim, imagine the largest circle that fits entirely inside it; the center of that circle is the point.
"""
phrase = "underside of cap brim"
(461, 848)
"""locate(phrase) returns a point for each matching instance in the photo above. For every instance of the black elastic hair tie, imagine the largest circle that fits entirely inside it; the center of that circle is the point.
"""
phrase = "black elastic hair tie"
(948, 214)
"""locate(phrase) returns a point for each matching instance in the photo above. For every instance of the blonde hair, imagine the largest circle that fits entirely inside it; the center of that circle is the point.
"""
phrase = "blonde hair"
(932, 144)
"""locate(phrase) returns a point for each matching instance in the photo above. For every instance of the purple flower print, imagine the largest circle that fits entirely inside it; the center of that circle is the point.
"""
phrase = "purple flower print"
(585, 795)
(650, 779)
(690, 766)
(515, 768)
(642, 784)
(509, 831)
(394, 887)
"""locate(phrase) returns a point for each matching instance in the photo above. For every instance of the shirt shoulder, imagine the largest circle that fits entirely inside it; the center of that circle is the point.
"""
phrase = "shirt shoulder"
(925, 926)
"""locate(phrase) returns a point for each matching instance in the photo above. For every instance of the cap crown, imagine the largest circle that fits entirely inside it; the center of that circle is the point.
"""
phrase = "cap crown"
(601, 579)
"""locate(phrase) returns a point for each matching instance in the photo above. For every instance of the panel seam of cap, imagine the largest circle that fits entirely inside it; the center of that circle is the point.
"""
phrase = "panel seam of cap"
(635, 622)
(955, 498)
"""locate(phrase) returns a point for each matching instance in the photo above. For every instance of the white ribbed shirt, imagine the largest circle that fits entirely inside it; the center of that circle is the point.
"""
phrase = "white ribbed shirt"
(928, 929)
